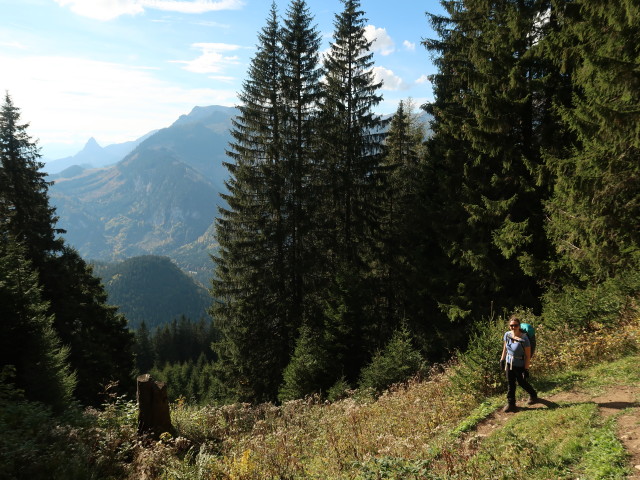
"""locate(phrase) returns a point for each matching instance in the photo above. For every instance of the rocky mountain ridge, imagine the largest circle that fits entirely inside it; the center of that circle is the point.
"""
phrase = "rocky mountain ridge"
(160, 199)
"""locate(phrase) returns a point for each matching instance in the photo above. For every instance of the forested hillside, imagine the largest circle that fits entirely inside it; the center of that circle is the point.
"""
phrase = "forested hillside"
(160, 199)
(153, 290)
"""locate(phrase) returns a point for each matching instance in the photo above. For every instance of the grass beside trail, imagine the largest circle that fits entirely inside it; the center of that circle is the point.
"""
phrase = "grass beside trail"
(424, 430)
(415, 432)
(568, 440)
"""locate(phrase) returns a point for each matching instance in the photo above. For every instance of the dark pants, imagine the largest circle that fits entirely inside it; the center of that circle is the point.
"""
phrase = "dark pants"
(516, 374)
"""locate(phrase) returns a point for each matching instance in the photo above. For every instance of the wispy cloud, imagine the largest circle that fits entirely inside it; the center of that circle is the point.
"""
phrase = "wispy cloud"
(67, 100)
(422, 79)
(197, 6)
(409, 45)
(223, 78)
(103, 9)
(382, 42)
(213, 24)
(212, 59)
(390, 80)
(16, 45)
(109, 9)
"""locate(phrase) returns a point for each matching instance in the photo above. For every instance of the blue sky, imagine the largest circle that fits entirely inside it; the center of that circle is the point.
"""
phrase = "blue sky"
(117, 69)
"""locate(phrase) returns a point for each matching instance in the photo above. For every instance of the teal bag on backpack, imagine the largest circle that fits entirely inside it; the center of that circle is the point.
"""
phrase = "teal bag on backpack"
(531, 333)
(529, 330)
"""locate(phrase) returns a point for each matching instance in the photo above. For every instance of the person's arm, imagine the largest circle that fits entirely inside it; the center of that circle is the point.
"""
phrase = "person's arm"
(527, 357)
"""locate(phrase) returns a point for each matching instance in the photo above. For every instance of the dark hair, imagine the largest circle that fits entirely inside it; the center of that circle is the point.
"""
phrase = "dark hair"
(514, 318)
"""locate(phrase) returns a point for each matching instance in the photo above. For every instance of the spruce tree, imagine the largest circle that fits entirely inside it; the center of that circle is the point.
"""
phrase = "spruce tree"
(301, 93)
(100, 344)
(446, 156)
(28, 218)
(265, 259)
(251, 267)
(595, 206)
(398, 262)
(311, 366)
(28, 341)
(348, 182)
(501, 120)
(143, 350)
(352, 147)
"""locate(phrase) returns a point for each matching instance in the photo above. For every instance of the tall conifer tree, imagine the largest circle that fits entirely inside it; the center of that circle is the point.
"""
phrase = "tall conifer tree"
(403, 172)
(265, 262)
(347, 217)
(100, 343)
(446, 157)
(300, 99)
(28, 341)
(502, 118)
(595, 209)
(351, 152)
(251, 269)
(24, 189)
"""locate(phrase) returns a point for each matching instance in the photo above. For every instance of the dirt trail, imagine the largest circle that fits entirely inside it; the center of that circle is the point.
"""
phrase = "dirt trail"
(610, 402)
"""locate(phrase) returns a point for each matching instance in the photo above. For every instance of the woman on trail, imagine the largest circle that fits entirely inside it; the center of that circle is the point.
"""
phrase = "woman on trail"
(515, 360)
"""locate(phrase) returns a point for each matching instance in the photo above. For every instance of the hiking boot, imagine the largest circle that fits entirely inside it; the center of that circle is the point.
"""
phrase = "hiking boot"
(510, 408)
(532, 399)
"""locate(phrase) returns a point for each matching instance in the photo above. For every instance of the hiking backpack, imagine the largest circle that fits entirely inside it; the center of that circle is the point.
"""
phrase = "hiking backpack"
(531, 333)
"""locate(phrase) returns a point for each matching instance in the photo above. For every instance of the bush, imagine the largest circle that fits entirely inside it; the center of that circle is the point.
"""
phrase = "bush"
(37, 445)
(308, 369)
(478, 370)
(397, 362)
(341, 389)
(580, 307)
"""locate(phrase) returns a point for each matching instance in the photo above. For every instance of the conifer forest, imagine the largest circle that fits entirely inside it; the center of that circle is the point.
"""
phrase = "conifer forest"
(356, 250)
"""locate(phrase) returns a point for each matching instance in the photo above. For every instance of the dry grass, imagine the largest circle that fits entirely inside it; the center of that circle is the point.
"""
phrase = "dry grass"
(403, 431)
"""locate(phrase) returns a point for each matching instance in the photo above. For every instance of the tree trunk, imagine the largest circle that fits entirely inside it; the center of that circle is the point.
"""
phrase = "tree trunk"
(153, 407)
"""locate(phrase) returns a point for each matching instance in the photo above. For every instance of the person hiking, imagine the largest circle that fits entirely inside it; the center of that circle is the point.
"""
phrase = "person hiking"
(515, 361)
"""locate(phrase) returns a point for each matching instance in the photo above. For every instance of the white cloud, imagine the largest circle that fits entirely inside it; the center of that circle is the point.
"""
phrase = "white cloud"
(409, 45)
(110, 9)
(422, 79)
(13, 44)
(67, 100)
(197, 6)
(223, 78)
(212, 59)
(214, 24)
(103, 9)
(382, 42)
(390, 80)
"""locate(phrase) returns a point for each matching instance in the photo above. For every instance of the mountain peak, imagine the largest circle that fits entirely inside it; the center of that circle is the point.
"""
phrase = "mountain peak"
(91, 145)
(199, 114)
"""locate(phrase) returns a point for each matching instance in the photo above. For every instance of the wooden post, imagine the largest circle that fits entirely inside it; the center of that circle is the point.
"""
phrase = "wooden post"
(153, 407)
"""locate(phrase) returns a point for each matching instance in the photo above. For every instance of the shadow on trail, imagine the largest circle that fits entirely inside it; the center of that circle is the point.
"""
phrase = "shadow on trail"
(618, 405)
(548, 403)
(553, 405)
(541, 401)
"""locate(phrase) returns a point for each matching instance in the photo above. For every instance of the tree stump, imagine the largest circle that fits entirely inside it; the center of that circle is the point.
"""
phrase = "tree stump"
(153, 407)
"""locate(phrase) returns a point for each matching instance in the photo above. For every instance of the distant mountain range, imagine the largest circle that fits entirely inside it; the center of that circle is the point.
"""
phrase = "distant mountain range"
(159, 198)
(93, 156)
